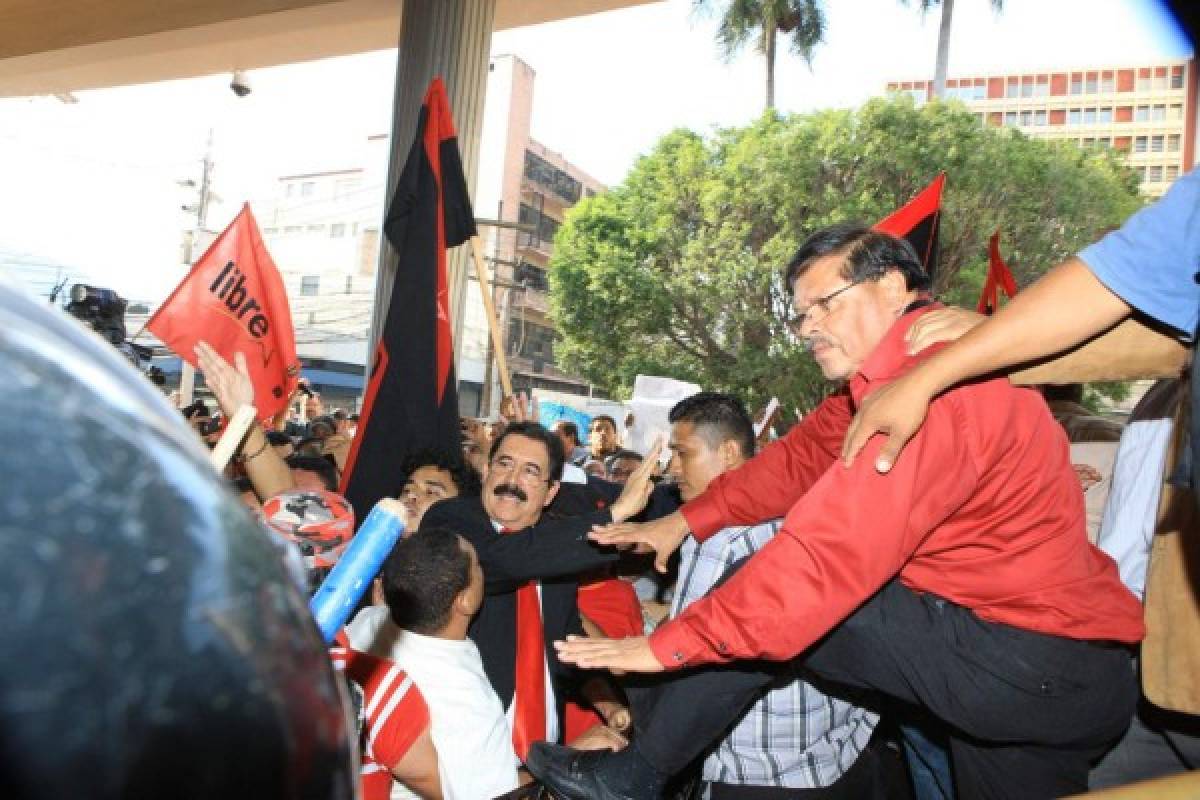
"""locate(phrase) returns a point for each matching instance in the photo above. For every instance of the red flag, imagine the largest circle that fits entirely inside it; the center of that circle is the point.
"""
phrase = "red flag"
(918, 221)
(998, 277)
(411, 401)
(234, 299)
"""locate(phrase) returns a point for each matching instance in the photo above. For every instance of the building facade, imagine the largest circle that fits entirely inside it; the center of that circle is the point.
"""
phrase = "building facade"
(1149, 113)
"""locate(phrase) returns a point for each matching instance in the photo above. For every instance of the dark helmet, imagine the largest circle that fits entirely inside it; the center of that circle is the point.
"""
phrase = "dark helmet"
(153, 645)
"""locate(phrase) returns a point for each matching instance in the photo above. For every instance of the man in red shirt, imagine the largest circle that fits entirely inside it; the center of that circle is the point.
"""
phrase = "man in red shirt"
(962, 582)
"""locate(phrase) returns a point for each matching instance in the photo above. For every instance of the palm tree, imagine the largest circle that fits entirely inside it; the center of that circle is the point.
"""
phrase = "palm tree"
(802, 21)
(943, 48)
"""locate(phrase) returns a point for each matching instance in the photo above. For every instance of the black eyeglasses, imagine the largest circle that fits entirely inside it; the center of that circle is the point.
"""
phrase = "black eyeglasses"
(796, 322)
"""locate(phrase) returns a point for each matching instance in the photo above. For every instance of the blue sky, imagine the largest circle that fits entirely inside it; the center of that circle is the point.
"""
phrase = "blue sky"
(86, 186)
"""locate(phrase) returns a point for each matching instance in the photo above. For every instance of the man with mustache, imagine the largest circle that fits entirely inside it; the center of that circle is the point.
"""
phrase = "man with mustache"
(962, 583)
(530, 566)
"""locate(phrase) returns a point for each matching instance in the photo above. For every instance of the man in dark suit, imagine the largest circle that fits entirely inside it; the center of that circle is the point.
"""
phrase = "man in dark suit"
(530, 564)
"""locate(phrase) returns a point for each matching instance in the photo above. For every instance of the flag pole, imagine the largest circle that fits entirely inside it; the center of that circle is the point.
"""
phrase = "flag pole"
(485, 289)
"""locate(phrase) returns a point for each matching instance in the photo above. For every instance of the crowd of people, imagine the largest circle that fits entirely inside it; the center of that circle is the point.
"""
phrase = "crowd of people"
(951, 609)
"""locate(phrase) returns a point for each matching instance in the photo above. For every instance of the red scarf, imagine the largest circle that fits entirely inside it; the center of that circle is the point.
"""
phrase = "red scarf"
(529, 715)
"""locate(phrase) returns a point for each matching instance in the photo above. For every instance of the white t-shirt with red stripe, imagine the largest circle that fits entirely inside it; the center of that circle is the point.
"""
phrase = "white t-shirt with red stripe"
(394, 714)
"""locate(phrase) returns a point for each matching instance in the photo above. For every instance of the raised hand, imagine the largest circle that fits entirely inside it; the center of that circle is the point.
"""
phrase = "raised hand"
(638, 487)
(662, 537)
(229, 384)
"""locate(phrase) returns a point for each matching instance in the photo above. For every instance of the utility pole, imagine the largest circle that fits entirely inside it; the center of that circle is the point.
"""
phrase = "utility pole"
(205, 196)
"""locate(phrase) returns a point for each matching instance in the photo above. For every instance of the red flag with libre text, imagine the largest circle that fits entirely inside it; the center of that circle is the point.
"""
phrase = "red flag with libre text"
(234, 299)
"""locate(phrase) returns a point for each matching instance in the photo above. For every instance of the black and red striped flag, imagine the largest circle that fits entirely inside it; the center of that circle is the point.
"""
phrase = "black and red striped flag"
(411, 401)
(998, 277)
(918, 221)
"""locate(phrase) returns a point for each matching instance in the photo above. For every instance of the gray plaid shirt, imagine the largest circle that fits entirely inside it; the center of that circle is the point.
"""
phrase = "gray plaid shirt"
(794, 736)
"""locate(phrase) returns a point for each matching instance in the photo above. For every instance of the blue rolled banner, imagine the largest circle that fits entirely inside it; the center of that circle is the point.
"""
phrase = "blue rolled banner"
(349, 579)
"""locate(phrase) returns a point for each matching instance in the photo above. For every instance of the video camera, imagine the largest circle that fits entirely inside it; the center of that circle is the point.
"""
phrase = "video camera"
(104, 311)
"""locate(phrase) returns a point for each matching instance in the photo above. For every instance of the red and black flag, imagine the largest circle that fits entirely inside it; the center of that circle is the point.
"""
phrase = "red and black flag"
(411, 402)
(998, 277)
(918, 222)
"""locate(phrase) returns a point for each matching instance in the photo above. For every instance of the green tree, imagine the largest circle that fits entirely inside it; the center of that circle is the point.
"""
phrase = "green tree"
(943, 45)
(676, 270)
(762, 21)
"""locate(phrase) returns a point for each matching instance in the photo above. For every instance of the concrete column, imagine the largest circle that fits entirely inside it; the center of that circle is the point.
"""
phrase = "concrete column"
(450, 38)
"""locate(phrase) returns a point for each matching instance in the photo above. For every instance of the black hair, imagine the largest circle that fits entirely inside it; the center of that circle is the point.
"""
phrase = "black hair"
(277, 438)
(534, 430)
(612, 460)
(869, 254)
(1063, 393)
(464, 475)
(242, 485)
(717, 418)
(421, 577)
(324, 468)
(199, 407)
(569, 428)
(611, 421)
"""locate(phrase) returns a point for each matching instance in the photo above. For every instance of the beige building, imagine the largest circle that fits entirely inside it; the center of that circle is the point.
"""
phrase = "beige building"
(521, 183)
(1148, 112)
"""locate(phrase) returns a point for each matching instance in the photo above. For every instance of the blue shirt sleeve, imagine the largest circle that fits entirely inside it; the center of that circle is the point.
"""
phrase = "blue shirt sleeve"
(1152, 260)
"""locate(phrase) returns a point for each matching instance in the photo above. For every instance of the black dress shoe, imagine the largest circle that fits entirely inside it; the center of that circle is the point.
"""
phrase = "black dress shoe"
(575, 774)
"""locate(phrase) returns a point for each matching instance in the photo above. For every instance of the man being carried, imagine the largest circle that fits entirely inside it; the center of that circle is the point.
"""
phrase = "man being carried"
(962, 582)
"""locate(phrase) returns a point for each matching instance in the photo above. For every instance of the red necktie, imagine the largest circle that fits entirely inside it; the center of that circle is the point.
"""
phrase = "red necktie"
(529, 716)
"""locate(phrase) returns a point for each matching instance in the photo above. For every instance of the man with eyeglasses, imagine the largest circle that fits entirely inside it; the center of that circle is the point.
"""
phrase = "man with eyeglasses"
(962, 583)
(530, 564)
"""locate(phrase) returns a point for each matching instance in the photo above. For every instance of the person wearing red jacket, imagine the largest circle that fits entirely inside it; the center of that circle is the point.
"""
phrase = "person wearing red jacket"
(962, 582)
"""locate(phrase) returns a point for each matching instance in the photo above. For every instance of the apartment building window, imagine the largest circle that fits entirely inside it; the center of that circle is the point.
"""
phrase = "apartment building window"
(345, 187)
(270, 231)
(1172, 172)
(1139, 144)
(1039, 118)
(337, 230)
(1104, 116)
(1074, 116)
(1013, 89)
(1076, 84)
(1143, 83)
(1156, 144)
(1108, 84)
(1104, 141)
(1010, 119)
(1087, 142)
(292, 229)
(541, 171)
(1026, 118)
(310, 285)
(1154, 174)
(1027, 88)
(307, 188)
(1160, 82)
(1177, 78)
(1174, 111)
(1091, 85)
(1173, 143)
(316, 228)
(1141, 114)
(1042, 87)
(1158, 113)
(1089, 116)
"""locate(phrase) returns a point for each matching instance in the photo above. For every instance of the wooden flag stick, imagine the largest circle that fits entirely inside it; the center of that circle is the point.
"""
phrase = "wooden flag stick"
(235, 431)
(485, 289)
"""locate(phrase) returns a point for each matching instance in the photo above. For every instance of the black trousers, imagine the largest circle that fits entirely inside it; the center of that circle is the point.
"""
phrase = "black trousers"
(1029, 712)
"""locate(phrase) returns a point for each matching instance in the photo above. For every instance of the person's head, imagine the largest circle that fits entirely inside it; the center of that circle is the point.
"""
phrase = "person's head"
(568, 432)
(322, 427)
(432, 583)
(522, 474)
(602, 435)
(849, 284)
(280, 442)
(621, 464)
(710, 434)
(313, 407)
(431, 476)
(313, 473)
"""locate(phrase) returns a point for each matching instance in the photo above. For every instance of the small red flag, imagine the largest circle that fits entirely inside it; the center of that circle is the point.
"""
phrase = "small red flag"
(919, 221)
(233, 298)
(998, 277)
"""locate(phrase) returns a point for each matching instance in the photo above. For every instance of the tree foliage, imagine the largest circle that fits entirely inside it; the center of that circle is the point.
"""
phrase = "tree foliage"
(677, 270)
